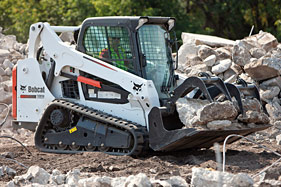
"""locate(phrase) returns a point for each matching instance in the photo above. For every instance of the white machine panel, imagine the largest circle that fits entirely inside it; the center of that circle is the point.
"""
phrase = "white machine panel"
(32, 92)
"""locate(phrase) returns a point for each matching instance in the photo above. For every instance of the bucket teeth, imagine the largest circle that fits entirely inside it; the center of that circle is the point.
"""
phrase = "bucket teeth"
(234, 92)
(211, 87)
(189, 85)
(248, 89)
(215, 86)
(216, 81)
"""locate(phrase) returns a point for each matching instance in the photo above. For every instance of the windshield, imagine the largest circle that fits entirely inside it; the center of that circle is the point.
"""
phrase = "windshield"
(159, 64)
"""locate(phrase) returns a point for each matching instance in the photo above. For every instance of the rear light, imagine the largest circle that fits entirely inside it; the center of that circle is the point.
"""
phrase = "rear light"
(14, 100)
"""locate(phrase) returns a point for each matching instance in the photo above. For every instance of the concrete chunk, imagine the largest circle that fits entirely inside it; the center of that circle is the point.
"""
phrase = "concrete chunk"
(187, 109)
(272, 82)
(2, 71)
(278, 139)
(269, 93)
(203, 177)
(8, 64)
(212, 41)
(223, 53)
(139, 180)
(257, 52)
(218, 124)
(210, 60)
(267, 41)
(8, 71)
(205, 51)
(240, 53)
(217, 111)
(264, 68)
(222, 66)
(37, 175)
(254, 117)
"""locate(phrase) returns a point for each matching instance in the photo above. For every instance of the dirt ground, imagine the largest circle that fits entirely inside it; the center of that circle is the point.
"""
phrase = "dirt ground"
(241, 156)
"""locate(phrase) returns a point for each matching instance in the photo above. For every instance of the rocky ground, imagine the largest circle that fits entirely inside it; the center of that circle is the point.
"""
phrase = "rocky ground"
(256, 59)
(242, 156)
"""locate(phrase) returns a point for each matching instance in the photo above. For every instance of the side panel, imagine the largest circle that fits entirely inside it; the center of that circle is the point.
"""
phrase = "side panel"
(32, 92)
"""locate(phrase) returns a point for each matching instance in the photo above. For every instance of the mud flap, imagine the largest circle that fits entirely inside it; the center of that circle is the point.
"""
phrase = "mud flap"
(161, 139)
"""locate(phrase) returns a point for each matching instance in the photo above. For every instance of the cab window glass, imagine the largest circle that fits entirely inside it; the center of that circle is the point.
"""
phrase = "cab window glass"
(109, 43)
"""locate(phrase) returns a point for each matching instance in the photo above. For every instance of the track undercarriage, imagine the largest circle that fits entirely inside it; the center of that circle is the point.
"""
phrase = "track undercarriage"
(69, 128)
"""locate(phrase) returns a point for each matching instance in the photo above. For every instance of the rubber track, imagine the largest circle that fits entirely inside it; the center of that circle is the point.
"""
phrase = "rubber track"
(138, 132)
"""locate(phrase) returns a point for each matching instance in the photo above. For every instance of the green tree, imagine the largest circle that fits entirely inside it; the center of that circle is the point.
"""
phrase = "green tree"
(229, 19)
(21, 14)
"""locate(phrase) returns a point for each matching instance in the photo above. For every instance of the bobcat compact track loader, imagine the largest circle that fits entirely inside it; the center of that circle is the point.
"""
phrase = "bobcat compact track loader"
(114, 90)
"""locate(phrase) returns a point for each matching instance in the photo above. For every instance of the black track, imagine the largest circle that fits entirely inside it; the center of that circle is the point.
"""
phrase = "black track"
(137, 133)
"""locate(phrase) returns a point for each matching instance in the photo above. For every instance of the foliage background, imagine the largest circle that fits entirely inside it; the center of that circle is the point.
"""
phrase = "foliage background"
(231, 19)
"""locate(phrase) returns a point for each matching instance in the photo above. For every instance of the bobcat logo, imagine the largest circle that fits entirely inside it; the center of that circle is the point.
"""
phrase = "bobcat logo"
(137, 87)
(23, 88)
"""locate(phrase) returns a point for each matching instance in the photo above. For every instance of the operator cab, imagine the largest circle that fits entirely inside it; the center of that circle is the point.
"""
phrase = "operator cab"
(139, 45)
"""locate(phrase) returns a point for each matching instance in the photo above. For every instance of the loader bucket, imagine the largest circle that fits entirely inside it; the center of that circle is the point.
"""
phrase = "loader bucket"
(235, 90)
(161, 139)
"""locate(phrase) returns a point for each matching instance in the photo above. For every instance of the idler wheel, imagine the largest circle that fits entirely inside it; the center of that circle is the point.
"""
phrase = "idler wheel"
(59, 118)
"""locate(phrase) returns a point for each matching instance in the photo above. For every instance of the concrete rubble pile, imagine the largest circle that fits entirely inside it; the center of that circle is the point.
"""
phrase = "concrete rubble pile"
(200, 177)
(10, 52)
(256, 59)
(37, 176)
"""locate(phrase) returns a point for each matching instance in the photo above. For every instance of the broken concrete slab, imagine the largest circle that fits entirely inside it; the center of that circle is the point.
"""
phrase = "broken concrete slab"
(205, 51)
(257, 52)
(195, 70)
(274, 110)
(72, 177)
(6, 97)
(251, 104)
(177, 181)
(222, 66)
(4, 53)
(238, 69)
(217, 111)
(186, 51)
(276, 81)
(187, 109)
(218, 124)
(8, 64)
(8, 42)
(269, 93)
(212, 41)
(202, 177)
(2, 71)
(264, 68)
(254, 117)
(223, 53)
(267, 41)
(138, 180)
(7, 85)
(278, 139)
(35, 174)
(8, 71)
(210, 60)
(240, 53)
